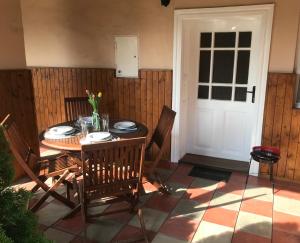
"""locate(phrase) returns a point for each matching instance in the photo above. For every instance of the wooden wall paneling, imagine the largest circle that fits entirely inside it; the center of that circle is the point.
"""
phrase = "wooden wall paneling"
(282, 125)
(297, 165)
(101, 77)
(156, 109)
(168, 102)
(121, 98)
(286, 122)
(138, 99)
(80, 77)
(144, 97)
(17, 98)
(132, 101)
(278, 115)
(149, 101)
(39, 93)
(293, 145)
(61, 93)
(269, 113)
(109, 91)
(115, 98)
(161, 89)
(126, 97)
(75, 81)
(45, 105)
(296, 175)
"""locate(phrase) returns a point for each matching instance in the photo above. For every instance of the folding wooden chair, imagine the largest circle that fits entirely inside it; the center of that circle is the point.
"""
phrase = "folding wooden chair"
(112, 171)
(77, 106)
(58, 169)
(159, 139)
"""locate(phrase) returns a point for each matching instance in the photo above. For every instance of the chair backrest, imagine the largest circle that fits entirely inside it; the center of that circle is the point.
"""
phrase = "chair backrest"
(20, 149)
(76, 106)
(163, 129)
(112, 168)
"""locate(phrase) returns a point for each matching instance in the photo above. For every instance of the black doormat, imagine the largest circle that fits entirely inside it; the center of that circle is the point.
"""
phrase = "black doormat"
(209, 173)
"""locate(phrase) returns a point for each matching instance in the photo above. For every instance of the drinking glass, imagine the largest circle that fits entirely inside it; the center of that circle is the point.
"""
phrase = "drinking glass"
(84, 128)
(105, 122)
(79, 121)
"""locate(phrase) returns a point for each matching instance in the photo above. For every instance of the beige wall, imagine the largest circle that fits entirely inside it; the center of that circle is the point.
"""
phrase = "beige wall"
(80, 32)
(285, 26)
(284, 36)
(12, 54)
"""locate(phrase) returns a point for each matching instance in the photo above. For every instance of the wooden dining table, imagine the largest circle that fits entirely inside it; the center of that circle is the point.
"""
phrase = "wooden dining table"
(73, 143)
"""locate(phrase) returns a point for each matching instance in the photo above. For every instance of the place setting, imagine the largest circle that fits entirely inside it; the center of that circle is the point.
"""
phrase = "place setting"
(121, 127)
(61, 132)
(124, 127)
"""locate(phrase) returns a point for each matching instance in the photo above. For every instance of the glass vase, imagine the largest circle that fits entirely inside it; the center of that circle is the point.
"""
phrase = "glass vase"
(96, 121)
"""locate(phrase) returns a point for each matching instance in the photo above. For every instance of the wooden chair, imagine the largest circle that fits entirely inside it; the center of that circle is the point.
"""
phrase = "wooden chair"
(57, 169)
(77, 106)
(159, 139)
(112, 171)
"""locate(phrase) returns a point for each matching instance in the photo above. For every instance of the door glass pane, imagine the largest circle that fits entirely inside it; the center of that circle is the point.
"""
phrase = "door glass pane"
(205, 40)
(203, 92)
(221, 93)
(223, 66)
(204, 66)
(242, 69)
(245, 39)
(240, 94)
(225, 39)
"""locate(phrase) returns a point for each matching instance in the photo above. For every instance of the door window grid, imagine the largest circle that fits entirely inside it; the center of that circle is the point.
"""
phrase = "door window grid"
(234, 65)
(212, 50)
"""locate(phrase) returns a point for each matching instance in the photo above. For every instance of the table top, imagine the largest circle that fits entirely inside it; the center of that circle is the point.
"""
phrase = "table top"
(73, 143)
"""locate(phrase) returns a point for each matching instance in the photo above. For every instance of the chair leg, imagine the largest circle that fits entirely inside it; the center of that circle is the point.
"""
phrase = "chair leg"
(271, 172)
(271, 176)
(158, 183)
(69, 188)
(163, 187)
(78, 206)
(83, 206)
(36, 187)
(143, 228)
(54, 194)
(248, 172)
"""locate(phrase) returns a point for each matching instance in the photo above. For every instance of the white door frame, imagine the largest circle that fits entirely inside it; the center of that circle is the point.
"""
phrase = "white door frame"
(179, 100)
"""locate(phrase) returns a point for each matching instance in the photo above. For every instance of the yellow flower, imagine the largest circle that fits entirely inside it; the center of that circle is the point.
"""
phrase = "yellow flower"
(99, 94)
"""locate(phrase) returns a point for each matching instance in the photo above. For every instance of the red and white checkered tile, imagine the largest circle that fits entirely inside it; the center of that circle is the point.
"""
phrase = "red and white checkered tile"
(197, 210)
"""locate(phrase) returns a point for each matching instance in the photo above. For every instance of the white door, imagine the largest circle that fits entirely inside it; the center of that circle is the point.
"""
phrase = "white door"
(222, 59)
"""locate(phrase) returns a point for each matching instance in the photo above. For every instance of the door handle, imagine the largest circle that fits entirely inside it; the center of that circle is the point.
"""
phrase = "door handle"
(253, 93)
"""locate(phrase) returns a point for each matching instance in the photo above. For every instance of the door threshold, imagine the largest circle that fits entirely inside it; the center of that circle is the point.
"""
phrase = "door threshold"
(215, 163)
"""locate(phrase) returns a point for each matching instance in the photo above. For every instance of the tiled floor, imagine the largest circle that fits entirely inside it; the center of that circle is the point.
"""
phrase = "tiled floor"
(197, 210)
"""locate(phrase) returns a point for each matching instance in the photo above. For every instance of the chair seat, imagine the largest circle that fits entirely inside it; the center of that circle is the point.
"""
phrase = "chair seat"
(48, 154)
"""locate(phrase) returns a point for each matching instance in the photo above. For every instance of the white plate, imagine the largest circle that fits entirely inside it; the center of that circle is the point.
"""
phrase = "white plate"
(98, 136)
(60, 130)
(49, 135)
(125, 125)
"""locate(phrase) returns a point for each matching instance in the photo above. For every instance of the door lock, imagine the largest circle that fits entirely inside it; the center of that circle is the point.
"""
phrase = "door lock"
(253, 93)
